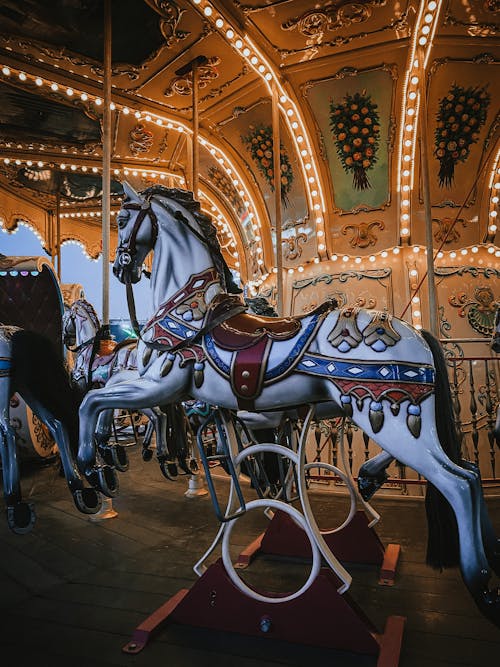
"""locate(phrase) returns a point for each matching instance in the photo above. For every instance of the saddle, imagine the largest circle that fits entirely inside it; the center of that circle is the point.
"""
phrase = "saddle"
(245, 330)
(250, 338)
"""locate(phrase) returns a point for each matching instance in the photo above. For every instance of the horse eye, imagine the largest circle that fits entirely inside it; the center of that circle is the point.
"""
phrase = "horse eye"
(121, 221)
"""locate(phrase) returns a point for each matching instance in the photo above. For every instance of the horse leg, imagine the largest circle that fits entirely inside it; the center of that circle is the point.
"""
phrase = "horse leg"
(131, 395)
(372, 474)
(86, 499)
(113, 455)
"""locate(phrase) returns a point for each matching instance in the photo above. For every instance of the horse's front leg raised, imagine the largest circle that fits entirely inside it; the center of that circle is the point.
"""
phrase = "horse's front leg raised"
(132, 395)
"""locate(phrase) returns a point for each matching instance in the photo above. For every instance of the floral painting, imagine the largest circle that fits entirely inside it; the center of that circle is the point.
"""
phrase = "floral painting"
(259, 141)
(353, 111)
(355, 126)
(461, 114)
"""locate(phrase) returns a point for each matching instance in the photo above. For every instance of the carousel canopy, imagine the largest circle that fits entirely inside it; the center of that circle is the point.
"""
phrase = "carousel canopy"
(365, 94)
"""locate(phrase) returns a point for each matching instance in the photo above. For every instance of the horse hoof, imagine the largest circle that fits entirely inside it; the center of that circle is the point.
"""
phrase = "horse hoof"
(169, 470)
(21, 517)
(87, 501)
(147, 455)
(368, 485)
(120, 458)
(107, 481)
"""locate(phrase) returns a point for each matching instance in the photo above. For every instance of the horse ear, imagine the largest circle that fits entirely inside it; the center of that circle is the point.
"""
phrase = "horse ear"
(130, 193)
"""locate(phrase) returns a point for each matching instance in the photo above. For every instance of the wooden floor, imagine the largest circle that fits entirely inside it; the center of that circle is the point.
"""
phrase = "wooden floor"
(72, 591)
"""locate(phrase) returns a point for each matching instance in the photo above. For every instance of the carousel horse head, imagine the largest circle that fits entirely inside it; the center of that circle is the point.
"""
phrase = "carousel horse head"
(179, 216)
(80, 324)
(495, 340)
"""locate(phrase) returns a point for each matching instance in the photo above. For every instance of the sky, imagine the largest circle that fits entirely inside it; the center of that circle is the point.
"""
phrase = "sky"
(76, 268)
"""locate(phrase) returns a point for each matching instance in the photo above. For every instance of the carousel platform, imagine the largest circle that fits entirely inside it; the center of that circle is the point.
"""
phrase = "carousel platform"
(73, 590)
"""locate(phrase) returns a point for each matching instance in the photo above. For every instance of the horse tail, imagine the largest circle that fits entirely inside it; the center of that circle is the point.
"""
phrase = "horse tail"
(39, 369)
(442, 543)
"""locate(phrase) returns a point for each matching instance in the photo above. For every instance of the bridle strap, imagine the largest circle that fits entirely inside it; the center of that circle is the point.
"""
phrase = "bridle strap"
(144, 209)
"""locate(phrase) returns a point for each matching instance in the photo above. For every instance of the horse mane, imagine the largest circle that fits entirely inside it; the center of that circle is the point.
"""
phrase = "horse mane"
(185, 198)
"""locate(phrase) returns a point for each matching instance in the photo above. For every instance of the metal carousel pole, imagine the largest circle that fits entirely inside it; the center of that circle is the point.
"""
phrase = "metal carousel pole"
(106, 511)
(277, 199)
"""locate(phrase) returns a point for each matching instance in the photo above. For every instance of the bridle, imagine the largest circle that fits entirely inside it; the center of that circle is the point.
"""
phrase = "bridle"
(126, 252)
(94, 341)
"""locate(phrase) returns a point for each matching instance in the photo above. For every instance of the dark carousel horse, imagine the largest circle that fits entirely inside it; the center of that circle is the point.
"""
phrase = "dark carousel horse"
(30, 366)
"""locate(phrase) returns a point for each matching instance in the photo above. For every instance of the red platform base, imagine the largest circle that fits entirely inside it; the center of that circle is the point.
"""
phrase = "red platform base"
(356, 543)
(319, 617)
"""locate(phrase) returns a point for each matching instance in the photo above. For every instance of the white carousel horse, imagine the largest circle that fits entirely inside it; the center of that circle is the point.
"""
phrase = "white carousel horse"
(81, 335)
(30, 366)
(199, 344)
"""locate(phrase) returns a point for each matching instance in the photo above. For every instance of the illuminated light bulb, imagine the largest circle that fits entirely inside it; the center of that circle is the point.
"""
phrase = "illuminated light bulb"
(316, 260)
(268, 76)
(453, 254)
(319, 220)
(314, 193)
(474, 249)
(95, 170)
(219, 23)
(497, 253)
(300, 139)
(491, 249)
(84, 97)
(415, 299)
(494, 199)
(229, 34)
(180, 128)
(416, 313)
(493, 214)
(321, 246)
(84, 168)
(29, 163)
(6, 160)
(428, 18)
(159, 121)
(18, 162)
(254, 60)
(274, 269)
(208, 10)
(409, 128)
(405, 231)
(406, 172)
(289, 112)
(414, 272)
(395, 250)
(295, 125)
(112, 106)
(38, 81)
(303, 152)
(425, 30)
(148, 117)
(300, 269)
(406, 188)
(69, 92)
(236, 181)
(196, 2)
(383, 253)
(260, 261)
(497, 186)
(40, 163)
(308, 165)
(408, 142)
(98, 101)
(246, 51)
(416, 248)
(414, 80)
(54, 87)
(320, 232)
(464, 251)
(405, 216)
(115, 171)
(371, 258)
(440, 255)
(358, 260)
(283, 99)
(407, 158)
(261, 68)
(22, 76)
(137, 114)
(73, 167)
(334, 258)
(405, 202)
(311, 179)
(238, 43)
(412, 95)
(6, 71)
(422, 41)
(126, 110)
(316, 207)
(345, 258)
(492, 228)
(410, 111)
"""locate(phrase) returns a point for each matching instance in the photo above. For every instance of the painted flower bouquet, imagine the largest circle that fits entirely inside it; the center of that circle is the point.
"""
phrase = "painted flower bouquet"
(259, 141)
(461, 114)
(355, 126)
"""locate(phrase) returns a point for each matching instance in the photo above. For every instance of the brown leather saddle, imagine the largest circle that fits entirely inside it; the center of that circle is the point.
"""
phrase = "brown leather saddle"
(244, 330)
(250, 337)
